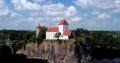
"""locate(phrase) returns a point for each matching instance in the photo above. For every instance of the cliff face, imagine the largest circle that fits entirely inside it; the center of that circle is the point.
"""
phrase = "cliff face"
(59, 52)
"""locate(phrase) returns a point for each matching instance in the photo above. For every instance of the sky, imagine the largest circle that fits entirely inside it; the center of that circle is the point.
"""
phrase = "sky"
(87, 14)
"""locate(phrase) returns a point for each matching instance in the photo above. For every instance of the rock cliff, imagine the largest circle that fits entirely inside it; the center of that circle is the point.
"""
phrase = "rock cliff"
(67, 51)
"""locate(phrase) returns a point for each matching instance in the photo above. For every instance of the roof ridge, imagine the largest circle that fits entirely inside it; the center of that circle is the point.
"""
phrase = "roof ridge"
(63, 22)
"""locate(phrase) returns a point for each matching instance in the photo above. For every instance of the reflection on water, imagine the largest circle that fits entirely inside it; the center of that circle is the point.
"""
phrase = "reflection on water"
(116, 60)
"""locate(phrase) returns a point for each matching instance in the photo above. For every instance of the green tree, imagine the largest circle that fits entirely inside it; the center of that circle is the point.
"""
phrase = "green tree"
(16, 45)
(57, 35)
(42, 34)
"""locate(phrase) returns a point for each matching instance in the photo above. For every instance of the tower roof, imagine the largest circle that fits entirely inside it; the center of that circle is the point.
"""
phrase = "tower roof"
(39, 26)
(63, 22)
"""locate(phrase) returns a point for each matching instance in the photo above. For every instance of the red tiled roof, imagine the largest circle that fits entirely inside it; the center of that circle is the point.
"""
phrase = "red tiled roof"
(66, 32)
(52, 29)
(63, 22)
(39, 26)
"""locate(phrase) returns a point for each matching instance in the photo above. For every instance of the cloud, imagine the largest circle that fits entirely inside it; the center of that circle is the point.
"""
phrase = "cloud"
(116, 22)
(86, 15)
(24, 5)
(103, 16)
(4, 11)
(95, 4)
(95, 12)
(28, 14)
(9, 19)
(117, 3)
(51, 14)
(39, 1)
(14, 14)
(59, 11)
(116, 11)
(76, 19)
(54, 9)
(43, 1)
(83, 3)
(71, 11)
(3, 8)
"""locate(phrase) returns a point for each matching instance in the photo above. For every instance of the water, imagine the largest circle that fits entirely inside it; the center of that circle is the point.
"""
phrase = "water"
(116, 60)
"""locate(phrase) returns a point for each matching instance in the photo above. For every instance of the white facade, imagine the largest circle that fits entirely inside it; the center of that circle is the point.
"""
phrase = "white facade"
(61, 28)
(50, 35)
(63, 25)
(37, 32)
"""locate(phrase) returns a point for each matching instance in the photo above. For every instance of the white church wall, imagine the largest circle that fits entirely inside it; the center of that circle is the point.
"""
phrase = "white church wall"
(61, 28)
(53, 35)
(47, 35)
(50, 35)
(66, 37)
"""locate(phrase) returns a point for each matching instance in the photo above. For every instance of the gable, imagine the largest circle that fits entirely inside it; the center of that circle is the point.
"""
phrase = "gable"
(63, 22)
(66, 32)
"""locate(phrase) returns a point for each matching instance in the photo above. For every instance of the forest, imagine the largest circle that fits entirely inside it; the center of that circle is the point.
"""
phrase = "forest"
(17, 39)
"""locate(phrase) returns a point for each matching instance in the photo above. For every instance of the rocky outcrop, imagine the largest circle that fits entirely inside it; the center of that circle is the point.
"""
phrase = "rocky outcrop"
(59, 52)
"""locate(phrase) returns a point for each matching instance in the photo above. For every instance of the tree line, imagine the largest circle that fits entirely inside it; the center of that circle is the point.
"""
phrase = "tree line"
(100, 39)
(17, 39)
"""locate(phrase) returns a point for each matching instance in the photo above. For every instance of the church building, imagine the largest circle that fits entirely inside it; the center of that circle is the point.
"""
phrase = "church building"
(63, 28)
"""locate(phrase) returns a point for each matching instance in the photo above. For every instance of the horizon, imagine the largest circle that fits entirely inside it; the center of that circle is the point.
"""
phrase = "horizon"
(70, 29)
(88, 14)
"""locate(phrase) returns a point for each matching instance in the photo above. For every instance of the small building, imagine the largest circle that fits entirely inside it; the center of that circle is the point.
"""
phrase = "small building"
(63, 28)
(38, 28)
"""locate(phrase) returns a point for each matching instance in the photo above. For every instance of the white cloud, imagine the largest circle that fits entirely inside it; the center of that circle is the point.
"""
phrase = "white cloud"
(116, 11)
(95, 12)
(54, 9)
(116, 21)
(71, 11)
(9, 19)
(38, 14)
(4, 11)
(91, 23)
(117, 3)
(25, 5)
(54, 13)
(14, 14)
(76, 19)
(43, 1)
(95, 4)
(103, 16)
(57, 18)
(86, 15)
(2, 4)
(83, 3)
(39, 0)
(3, 8)
(59, 11)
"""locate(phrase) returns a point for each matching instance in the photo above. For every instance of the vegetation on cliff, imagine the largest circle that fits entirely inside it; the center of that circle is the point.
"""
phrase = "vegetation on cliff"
(105, 40)
(100, 39)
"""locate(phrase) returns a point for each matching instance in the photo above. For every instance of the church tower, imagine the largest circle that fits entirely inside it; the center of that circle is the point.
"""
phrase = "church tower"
(38, 28)
(63, 25)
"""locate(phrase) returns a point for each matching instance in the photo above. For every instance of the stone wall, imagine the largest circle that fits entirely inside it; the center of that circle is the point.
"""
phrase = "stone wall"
(59, 52)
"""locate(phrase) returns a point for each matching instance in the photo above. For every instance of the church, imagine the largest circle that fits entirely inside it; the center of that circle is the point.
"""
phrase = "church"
(63, 28)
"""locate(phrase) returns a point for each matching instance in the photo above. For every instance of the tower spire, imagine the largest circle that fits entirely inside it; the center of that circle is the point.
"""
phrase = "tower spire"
(38, 28)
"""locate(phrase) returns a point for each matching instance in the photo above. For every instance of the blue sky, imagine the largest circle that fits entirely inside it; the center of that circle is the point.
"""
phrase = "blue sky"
(88, 14)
